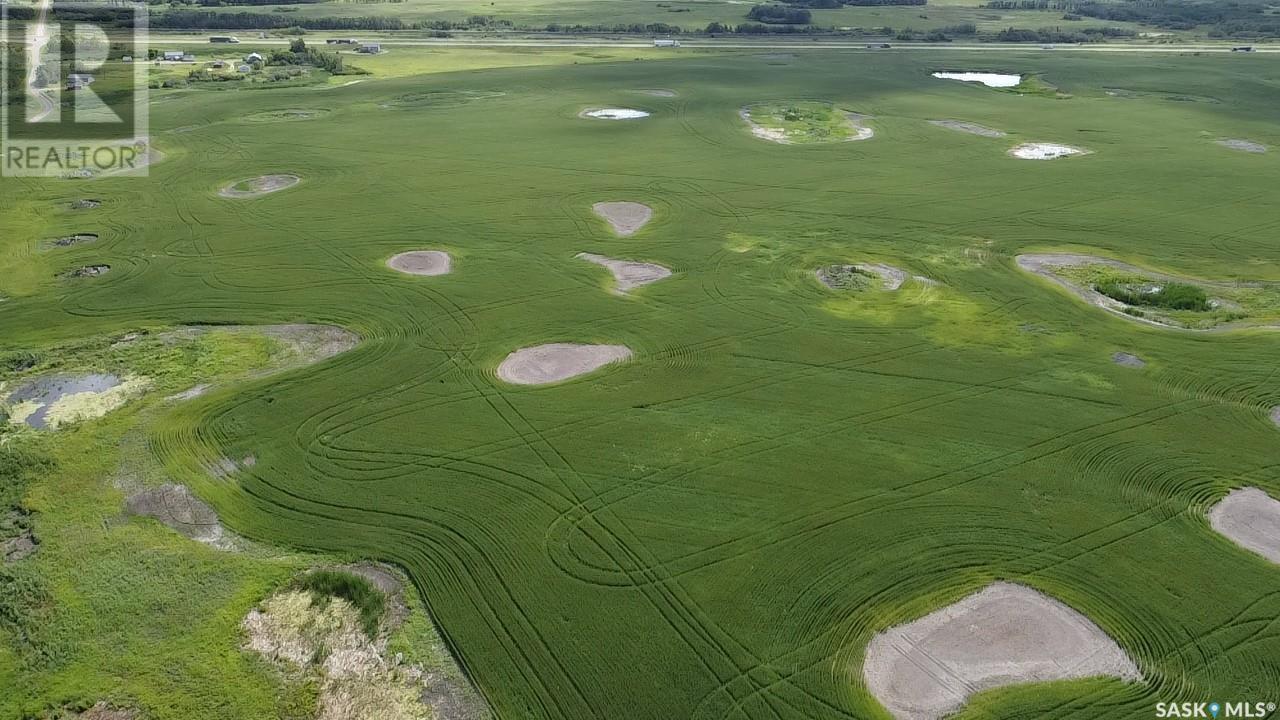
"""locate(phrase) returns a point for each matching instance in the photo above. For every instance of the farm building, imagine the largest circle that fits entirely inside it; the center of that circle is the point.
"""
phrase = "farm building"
(76, 81)
(173, 55)
(253, 58)
(371, 48)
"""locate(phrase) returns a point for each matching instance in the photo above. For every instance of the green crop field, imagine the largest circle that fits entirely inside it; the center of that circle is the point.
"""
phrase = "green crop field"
(716, 528)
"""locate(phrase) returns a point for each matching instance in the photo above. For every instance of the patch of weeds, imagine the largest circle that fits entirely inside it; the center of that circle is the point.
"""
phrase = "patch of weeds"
(801, 122)
(26, 607)
(19, 361)
(847, 277)
(1035, 85)
(1171, 296)
(363, 596)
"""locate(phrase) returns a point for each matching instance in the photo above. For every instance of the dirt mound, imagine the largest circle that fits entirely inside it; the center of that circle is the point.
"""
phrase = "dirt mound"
(1044, 151)
(628, 274)
(89, 271)
(1128, 360)
(1243, 145)
(1004, 635)
(626, 218)
(1251, 519)
(968, 127)
(422, 262)
(86, 204)
(556, 362)
(178, 508)
(77, 239)
(259, 186)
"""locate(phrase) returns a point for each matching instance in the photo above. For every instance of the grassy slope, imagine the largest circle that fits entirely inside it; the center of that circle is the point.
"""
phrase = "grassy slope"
(717, 528)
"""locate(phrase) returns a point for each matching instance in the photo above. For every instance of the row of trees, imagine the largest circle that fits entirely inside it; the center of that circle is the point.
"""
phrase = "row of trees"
(1225, 18)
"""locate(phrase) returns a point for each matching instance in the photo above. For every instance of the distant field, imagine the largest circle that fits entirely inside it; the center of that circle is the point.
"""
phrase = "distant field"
(717, 527)
(688, 14)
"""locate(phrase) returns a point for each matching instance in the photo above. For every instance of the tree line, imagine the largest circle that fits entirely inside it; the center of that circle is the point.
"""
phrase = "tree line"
(1224, 18)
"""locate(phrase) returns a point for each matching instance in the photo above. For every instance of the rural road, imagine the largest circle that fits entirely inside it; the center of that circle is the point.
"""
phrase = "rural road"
(40, 38)
(711, 44)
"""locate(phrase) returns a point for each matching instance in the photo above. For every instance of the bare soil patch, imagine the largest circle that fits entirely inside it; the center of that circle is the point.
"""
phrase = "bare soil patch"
(556, 362)
(627, 274)
(77, 239)
(626, 218)
(224, 467)
(89, 271)
(259, 186)
(17, 541)
(99, 711)
(1128, 360)
(1044, 151)
(1243, 145)
(86, 204)
(1251, 519)
(422, 262)
(20, 547)
(178, 508)
(968, 127)
(613, 114)
(1006, 634)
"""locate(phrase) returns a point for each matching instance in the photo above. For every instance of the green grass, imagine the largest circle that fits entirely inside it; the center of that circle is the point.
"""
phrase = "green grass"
(716, 528)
